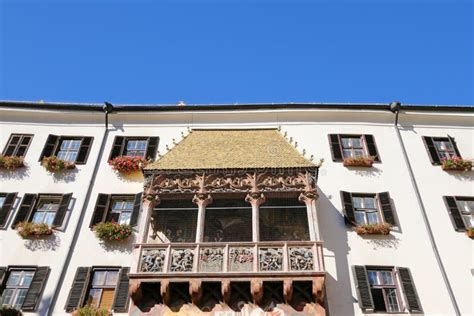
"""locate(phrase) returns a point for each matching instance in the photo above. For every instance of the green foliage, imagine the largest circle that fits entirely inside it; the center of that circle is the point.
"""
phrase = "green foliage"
(53, 164)
(11, 162)
(27, 229)
(112, 231)
(6, 310)
(369, 229)
(91, 311)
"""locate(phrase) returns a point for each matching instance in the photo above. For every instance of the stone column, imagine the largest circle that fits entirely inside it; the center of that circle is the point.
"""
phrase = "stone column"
(255, 199)
(202, 200)
(309, 198)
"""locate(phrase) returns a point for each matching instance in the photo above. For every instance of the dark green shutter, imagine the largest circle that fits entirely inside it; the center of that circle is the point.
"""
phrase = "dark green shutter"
(121, 294)
(136, 209)
(23, 146)
(411, 297)
(371, 147)
(453, 210)
(25, 208)
(101, 208)
(335, 145)
(117, 147)
(363, 288)
(49, 147)
(61, 213)
(151, 148)
(36, 288)
(386, 206)
(348, 208)
(432, 152)
(455, 146)
(78, 289)
(6, 208)
(83, 153)
(3, 277)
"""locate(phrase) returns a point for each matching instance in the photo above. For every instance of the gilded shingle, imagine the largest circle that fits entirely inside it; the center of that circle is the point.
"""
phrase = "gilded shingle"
(224, 149)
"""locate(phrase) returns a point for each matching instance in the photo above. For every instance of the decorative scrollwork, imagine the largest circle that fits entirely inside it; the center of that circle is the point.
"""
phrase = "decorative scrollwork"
(182, 260)
(301, 259)
(241, 259)
(152, 260)
(211, 260)
(271, 259)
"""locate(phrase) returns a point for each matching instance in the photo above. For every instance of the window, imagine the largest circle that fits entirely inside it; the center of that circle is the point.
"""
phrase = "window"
(100, 287)
(22, 286)
(6, 205)
(17, 286)
(145, 147)
(46, 210)
(228, 221)
(365, 210)
(43, 208)
(122, 209)
(466, 207)
(351, 146)
(17, 145)
(384, 290)
(70, 148)
(283, 219)
(368, 208)
(102, 291)
(175, 221)
(440, 148)
(461, 211)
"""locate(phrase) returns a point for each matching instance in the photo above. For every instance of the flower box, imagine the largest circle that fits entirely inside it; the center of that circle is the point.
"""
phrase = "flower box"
(470, 232)
(456, 163)
(361, 161)
(373, 229)
(128, 164)
(91, 311)
(11, 162)
(28, 229)
(53, 164)
(110, 231)
(6, 310)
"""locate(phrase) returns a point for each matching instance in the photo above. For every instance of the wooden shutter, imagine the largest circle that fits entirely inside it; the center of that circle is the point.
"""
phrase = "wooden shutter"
(455, 214)
(78, 289)
(6, 208)
(83, 153)
(432, 152)
(455, 146)
(371, 147)
(117, 147)
(136, 209)
(100, 210)
(23, 146)
(25, 208)
(386, 208)
(36, 288)
(363, 288)
(49, 147)
(61, 213)
(411, 297)
(335, 145)
(11, 145)
(121, 294)
(346, 198)
(151, 148)
(3, 276)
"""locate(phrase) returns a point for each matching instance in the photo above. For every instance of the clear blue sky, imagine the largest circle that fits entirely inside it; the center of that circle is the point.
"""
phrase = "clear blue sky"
(237, 51)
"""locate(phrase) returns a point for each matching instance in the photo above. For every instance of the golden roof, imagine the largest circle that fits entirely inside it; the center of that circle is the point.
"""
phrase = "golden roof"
(237, 149)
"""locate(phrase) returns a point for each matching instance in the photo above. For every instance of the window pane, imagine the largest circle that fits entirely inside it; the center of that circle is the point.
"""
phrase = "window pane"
(345, 142)
(392, 300)
(94, 297)
(372, 218)
(99, 278)
(356, 143)
(20, 298)
(124, 218)
(49, 218)
(379, 301)
(176, 225)
(227, 225)
(112, 277)
(7, 297)
(372, 275)
(359, 217)
(347, 153)
(358, 153)
(107, 298)
(27, 278)
(14, 278)
(38, 217)
(279, 224)
(468, 220)
(357, 201)
(440, 145)
(386, 277)
(369, 202)
(2, 200)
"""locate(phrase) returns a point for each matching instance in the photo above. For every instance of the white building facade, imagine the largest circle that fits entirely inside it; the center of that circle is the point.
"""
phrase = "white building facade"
(422, 265)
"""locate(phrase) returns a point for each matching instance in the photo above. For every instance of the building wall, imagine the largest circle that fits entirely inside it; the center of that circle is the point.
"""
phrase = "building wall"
(407, 247)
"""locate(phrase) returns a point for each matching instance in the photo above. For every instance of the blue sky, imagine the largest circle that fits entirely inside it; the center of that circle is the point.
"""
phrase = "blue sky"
(418, 52)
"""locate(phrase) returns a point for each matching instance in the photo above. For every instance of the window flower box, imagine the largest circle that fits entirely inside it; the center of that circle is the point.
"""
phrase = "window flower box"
(127, 164)
(111, 231)
(373, 229)
(6, 310)
(470, 232)
(28, 229)
(360, 161)
(53, 164)
(456, 163)
(11, 162)
(91, 311)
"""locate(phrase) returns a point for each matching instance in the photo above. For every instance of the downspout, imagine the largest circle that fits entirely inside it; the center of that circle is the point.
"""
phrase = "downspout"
(107, 108)
(395, 108)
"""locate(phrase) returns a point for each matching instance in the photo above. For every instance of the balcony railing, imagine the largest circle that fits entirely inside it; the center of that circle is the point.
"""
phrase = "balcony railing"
(227, 259)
